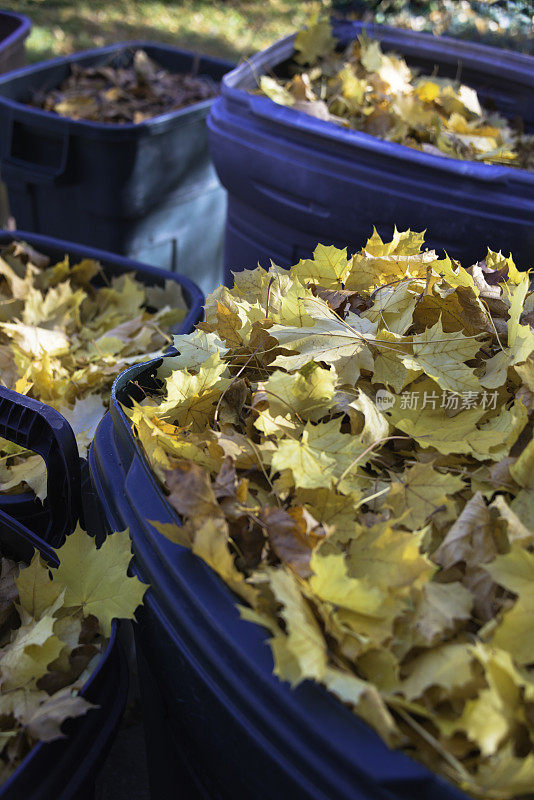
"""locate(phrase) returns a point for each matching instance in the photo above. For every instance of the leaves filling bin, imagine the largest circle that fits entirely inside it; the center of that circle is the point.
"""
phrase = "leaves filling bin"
(349, 446)
(66, 331)
(54, 627)
(376, 92)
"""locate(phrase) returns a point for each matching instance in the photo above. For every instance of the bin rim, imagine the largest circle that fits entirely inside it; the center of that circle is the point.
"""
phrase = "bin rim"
(156, 124)
(21, 32)
(38, 240)
(235, 87)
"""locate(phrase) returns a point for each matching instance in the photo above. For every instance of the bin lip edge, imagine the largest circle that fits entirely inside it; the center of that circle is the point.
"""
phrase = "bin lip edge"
(307, 125)
(142, 128)
(22, 32)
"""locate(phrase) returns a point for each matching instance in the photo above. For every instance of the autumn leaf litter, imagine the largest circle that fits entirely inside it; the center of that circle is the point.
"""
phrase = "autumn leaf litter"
(349, 446)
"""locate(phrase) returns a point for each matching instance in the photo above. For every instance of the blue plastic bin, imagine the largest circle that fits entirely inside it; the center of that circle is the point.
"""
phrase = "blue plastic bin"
(294, 180)
(26, 507)
(214, 712)
(67, 768)
(147, 190)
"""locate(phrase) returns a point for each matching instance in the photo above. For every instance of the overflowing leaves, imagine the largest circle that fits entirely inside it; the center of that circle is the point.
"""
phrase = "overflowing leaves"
(119, 94)
(54, 627)
(349, 446)
(65, 333)
(365, 89)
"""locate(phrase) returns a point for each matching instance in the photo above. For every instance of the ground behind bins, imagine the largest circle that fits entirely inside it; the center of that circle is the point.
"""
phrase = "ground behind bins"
(125, 774)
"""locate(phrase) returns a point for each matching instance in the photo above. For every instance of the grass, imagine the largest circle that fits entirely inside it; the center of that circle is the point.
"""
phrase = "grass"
(228, 29)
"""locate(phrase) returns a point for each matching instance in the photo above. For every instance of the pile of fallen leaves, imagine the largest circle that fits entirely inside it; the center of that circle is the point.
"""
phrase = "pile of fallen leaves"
(365, 89)
(54, 627)
(116, 95)
(63, 340)
(349, 445)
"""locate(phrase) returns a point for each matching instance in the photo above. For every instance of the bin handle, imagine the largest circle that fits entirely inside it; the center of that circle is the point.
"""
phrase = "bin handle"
(11, 534)
(29, 171)
(44, 430)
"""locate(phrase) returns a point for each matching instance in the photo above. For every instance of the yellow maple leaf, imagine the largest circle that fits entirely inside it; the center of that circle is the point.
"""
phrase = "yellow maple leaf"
(191, 398)
(442, 356)
(302, 394)
(26, 658)
(382, 262)
(314, 42)
(490, 717)
(449, 666)
(390, 558)
(393, 306)
(319, 455)
(505, 776)
(194, 349)
(96, 580)
(30, 471)
(331, 340)
(329, 267)
(211, 544)
(331, 582)
(37, 591)
(437, 611)
(420, 492)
